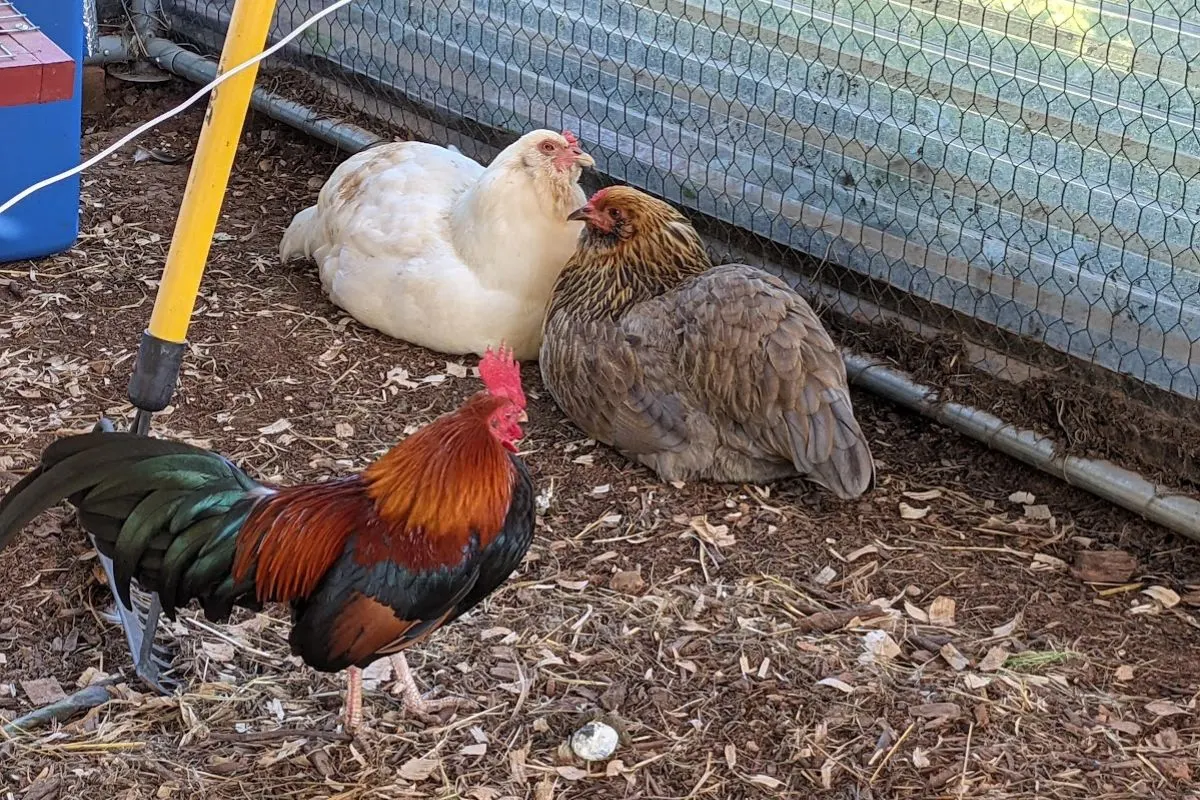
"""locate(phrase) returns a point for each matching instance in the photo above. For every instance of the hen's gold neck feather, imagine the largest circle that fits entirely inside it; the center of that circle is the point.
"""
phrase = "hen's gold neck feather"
(654, 252)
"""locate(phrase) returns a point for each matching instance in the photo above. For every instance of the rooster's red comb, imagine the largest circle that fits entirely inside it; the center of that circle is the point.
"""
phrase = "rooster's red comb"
(501, 374)
(572, 139)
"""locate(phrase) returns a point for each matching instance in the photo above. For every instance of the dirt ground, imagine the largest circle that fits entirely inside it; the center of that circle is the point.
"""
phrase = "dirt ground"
(930, 640)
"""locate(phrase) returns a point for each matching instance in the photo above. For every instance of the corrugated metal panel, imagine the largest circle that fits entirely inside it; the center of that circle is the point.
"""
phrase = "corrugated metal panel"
(1034, 164)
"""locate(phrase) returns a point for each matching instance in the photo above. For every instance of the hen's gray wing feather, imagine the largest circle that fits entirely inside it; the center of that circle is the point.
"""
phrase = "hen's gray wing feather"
(603, 390)
(738, 343)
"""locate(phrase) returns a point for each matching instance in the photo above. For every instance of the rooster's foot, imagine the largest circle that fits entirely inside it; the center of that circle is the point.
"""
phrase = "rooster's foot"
(428, 709)
(421, 707)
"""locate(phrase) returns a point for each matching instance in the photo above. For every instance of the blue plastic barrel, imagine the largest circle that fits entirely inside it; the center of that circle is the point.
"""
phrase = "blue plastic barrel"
(42, 139)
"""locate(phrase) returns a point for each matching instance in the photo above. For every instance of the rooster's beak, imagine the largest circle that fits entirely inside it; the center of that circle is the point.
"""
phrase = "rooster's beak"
(580, 214)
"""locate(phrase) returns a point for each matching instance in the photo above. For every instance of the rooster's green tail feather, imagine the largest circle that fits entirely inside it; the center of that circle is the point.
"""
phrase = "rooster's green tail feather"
(167, 513)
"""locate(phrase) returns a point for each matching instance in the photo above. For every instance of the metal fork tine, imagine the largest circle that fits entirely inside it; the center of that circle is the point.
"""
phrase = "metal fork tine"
(129, 621)
(152, 615)
(140, 624)
(139, 619)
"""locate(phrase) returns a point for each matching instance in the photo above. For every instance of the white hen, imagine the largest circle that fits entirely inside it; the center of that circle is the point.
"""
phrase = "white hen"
(424, 244)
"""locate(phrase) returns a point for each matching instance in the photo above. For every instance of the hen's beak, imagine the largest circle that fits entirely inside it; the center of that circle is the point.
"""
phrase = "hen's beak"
(523, 418)
(581, 214)
(583, 159)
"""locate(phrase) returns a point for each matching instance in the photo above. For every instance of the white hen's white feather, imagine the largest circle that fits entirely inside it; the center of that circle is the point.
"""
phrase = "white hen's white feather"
(424, 244)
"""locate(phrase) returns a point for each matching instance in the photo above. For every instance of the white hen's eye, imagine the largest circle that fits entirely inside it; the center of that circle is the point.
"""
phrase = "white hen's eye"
(547, 147)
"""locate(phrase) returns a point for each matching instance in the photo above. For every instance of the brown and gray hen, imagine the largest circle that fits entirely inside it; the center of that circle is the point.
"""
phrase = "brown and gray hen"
(698, 372)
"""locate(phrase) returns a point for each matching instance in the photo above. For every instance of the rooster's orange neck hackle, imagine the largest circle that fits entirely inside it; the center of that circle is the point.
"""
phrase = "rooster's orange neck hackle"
(421, 503)
(448, 480)
(452, 479)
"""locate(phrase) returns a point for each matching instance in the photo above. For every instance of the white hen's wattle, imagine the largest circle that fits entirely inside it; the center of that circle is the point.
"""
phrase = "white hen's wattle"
(424, 244)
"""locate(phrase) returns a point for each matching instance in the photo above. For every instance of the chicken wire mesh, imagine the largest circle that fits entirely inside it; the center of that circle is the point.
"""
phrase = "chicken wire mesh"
(1017, 178)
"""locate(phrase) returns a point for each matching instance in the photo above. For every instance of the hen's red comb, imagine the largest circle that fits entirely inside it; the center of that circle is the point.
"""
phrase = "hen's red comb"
(572, 139)
(501, 374)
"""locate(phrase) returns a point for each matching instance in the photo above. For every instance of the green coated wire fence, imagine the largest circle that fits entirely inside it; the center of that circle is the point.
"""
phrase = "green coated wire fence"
(977, 189)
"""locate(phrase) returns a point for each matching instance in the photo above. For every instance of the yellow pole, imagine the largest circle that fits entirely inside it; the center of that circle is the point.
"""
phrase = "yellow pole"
(205, 192)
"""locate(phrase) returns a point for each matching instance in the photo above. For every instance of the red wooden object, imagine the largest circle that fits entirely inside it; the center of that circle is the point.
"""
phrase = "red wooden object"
(33, 69)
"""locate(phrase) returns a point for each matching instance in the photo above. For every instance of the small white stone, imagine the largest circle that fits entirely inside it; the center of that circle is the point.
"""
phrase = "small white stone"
(595, 741)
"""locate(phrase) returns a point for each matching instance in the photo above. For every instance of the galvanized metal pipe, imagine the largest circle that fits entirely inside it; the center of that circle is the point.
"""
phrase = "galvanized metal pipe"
(188, 65)
(143, 17)
(144, 14)
(91, 28)
(1177, 512)
(111, 49)
(197, 69)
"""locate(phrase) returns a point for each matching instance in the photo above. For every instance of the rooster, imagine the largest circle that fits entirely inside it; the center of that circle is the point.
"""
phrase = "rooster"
(424, 244)
(371, 564)
(698, 372)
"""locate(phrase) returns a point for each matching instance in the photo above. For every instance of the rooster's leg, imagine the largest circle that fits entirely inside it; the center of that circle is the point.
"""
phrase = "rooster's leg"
(353, 700)
(413, 701)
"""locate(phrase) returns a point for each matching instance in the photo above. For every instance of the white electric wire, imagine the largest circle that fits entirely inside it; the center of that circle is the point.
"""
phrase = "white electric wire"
(161, 118)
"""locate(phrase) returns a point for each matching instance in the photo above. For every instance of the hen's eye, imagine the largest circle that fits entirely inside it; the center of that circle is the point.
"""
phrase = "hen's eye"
(547, 147)
(614, 213)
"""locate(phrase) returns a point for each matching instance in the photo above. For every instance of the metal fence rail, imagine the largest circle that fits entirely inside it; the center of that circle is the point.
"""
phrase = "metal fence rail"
(1033, 165)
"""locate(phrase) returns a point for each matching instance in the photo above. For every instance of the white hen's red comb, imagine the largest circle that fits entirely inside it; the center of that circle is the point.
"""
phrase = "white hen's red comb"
(501, 374)
(572, 139)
